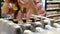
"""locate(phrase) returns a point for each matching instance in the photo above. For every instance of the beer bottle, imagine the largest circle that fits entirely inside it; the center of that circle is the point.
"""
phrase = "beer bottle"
(29, 27)
(52, 22)
(44, 23)
(18, 29)
(24, 20)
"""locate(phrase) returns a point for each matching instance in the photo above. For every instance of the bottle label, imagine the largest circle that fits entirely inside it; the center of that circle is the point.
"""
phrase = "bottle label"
(15, 7)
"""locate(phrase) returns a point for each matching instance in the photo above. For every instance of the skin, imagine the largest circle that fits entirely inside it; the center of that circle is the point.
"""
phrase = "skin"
(40, 9)
(7, 1)
(23, 4)
(5, 7)
(32, 8)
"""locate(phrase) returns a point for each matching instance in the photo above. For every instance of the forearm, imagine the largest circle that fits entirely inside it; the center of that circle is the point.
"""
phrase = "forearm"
(5, 8)
(33, 6)
(42, 12)
(20, 2)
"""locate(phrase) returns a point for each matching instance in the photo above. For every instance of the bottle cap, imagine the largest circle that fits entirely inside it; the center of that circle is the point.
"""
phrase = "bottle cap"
(27, 24)
(15, 20)
(38, 16)
(43, 18)
(39, 28)
(45, 21)
(38, 23)
(26, 31)
(30, 20)
(20, 22)
(37, 19)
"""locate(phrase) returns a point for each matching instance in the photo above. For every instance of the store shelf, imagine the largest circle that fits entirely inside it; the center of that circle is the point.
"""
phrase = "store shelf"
(53, 15)
(53, 9)
(52, 6)
(53, 2)
(57, 20)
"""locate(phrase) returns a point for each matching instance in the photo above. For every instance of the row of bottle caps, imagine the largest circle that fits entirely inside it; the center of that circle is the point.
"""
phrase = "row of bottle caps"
(35, 27)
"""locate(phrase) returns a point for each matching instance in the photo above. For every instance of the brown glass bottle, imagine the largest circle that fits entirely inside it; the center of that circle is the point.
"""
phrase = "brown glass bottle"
(42, 21)
(52, 22)
(45, 23)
